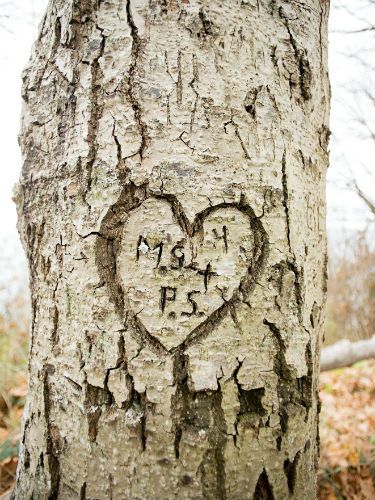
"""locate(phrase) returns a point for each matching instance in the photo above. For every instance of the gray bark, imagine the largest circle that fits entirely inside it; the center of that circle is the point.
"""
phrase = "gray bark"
(172, 208)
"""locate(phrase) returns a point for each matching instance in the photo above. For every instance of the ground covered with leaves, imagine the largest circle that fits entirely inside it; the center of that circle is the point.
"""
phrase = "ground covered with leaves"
(347, 432)
(13, 384)
(347, 429)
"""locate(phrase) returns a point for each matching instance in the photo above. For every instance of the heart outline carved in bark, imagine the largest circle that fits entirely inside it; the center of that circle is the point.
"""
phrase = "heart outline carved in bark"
(182, 290)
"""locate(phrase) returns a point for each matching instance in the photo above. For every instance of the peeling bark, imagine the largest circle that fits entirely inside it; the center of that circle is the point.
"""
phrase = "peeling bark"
(172, 207)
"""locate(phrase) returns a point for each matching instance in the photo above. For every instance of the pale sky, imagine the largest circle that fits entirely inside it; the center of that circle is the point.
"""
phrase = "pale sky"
(348, 151)
(18, 22)
(352, 153)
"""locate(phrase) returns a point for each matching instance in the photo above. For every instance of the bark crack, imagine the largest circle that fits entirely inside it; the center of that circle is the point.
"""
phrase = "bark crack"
(238, 135)
(303, 65)
(292, 391)
(290, 470)
(51, 451)
(203, 414)
(263, 490)
(286, 197)
(192, 85)
(96, 110)
(135, 103)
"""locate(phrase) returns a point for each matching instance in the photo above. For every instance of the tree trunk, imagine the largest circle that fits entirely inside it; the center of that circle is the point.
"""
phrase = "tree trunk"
(172, 208)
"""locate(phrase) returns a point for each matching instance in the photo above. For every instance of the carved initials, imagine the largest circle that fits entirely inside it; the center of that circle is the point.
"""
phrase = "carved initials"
(179, 272)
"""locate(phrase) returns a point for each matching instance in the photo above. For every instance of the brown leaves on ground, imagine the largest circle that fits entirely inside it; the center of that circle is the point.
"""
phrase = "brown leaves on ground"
(354, 483)
(347, 433)
(11, 408)
(14, 340)
(7, 475)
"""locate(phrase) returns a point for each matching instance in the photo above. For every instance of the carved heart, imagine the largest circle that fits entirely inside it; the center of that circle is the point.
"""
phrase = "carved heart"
(178, 277)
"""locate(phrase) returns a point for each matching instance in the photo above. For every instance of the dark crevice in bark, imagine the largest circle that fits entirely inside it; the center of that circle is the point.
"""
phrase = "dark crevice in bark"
(286, 196)
(82, 10)
(55, 325)
(180, 399)
(96, 110)
(192, 83)
(34, 237)
(212, 467)
(302, 61)
(206, 24)
(74, 384)
(272, 6)
(251, 401)
(307, 386)
(82, 491)
(250, 100)
(110, 487)
(275, 60)
(303, 67)
(68, 489)
(279, 441)
(57, 37)
(263, 490)
(239, 388)
(120, 364)
(140, 406)
(290, 470)
(293, 393)
(121, 351)
(133, 85)
(26, 457)
(109, 243)
(218, 440)
(197, 413)
(298, 288)
(34, 304)
(203, 26)
(94, 399)
(324, 137)
(251, 409)
(238, 135)
(187, 142)
(121, 169)
(52, 446)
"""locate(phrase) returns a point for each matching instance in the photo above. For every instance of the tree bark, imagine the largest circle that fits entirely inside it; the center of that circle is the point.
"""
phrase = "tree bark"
(172, 207)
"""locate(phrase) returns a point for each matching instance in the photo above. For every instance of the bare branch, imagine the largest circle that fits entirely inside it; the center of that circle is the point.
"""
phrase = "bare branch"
(345, 353)
(363, 196)
(354, 32)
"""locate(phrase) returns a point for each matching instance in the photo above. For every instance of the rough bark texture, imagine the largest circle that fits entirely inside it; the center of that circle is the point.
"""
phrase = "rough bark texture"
(172, 206)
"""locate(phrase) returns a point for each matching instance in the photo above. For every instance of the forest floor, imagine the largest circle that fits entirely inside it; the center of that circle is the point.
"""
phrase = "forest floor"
(347, 433)
(347, 427)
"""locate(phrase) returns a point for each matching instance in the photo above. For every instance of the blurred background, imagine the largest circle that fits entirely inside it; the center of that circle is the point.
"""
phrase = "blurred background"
(347, 467)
